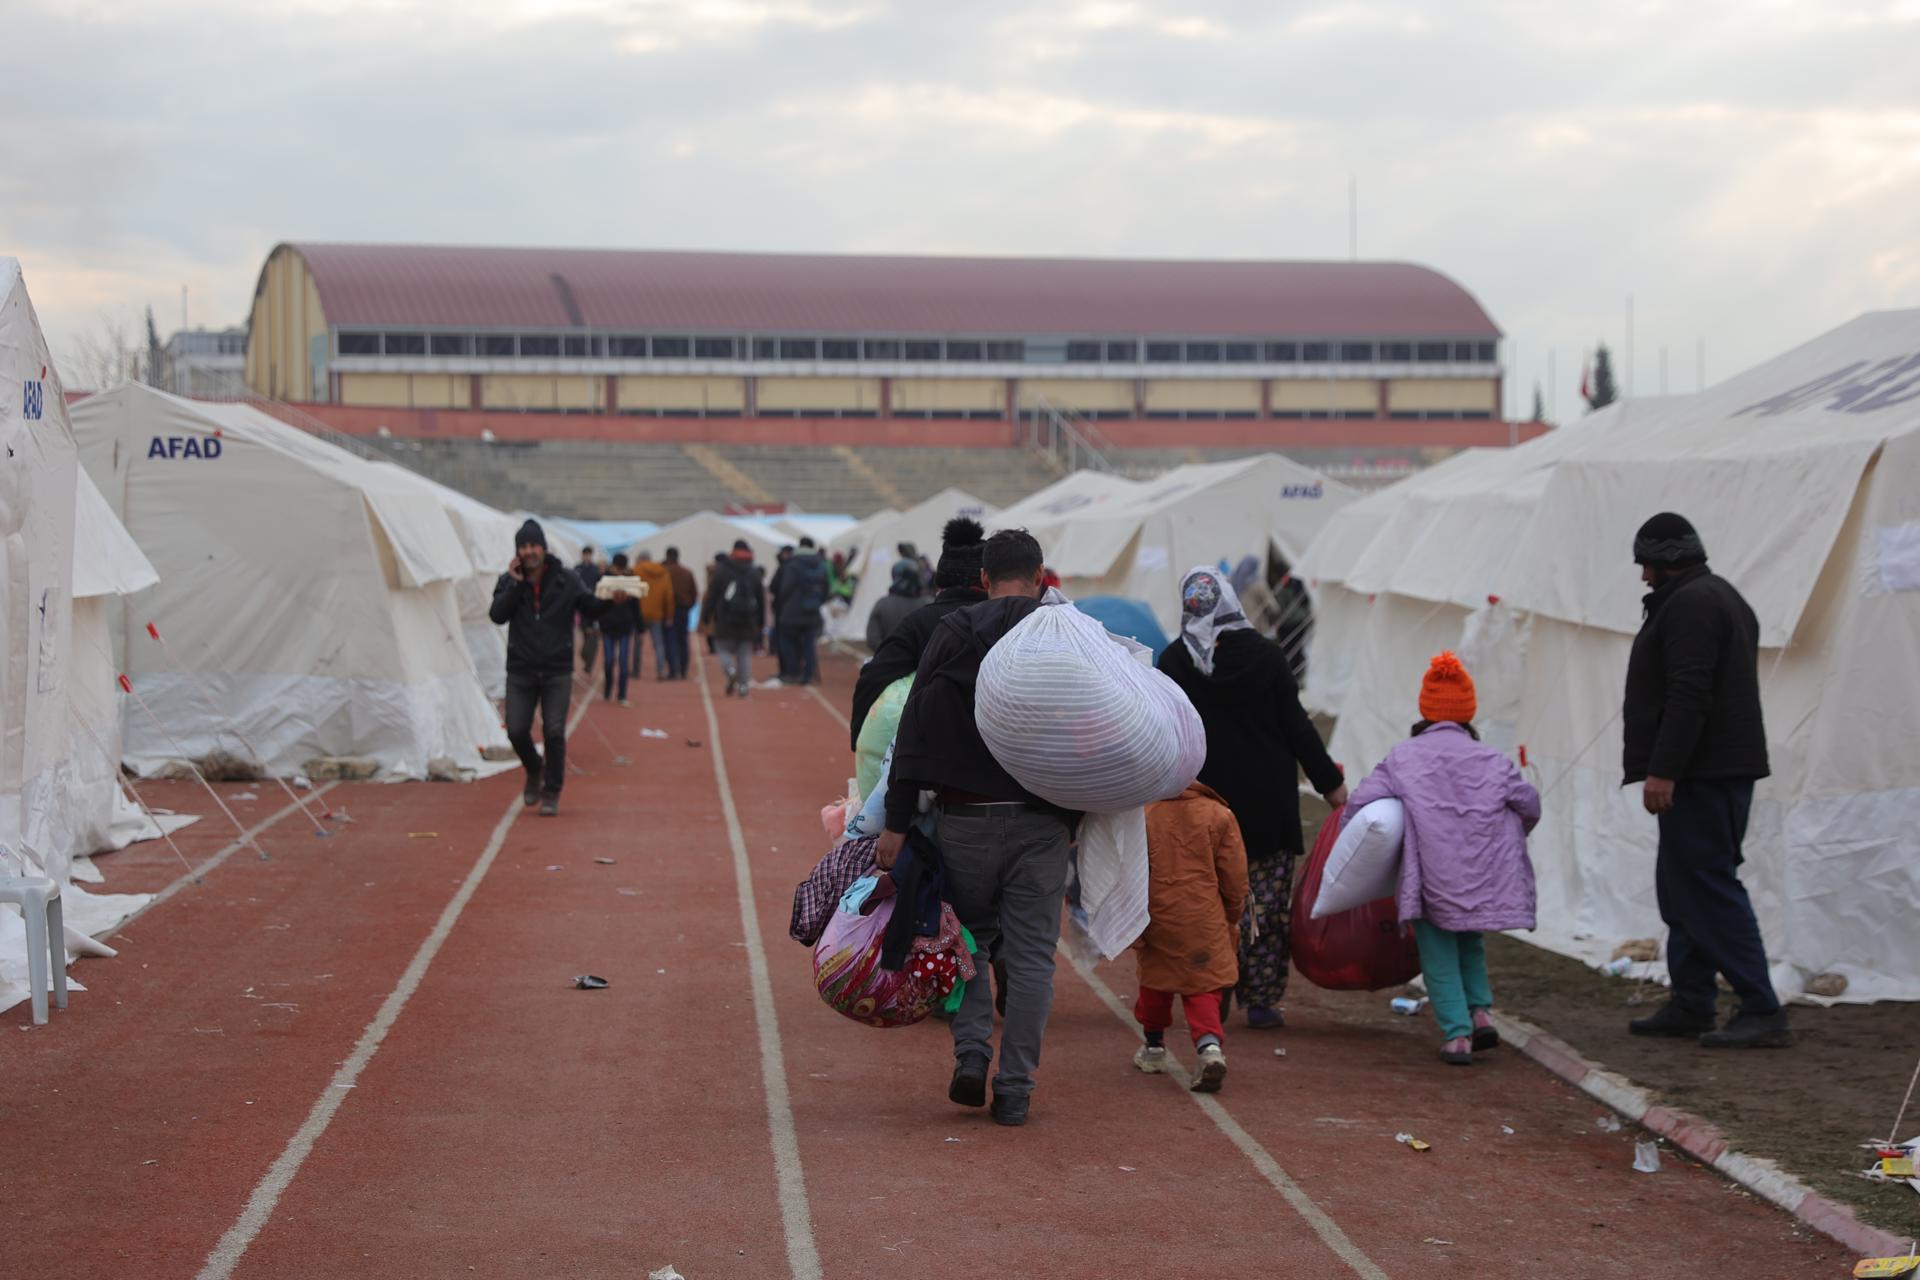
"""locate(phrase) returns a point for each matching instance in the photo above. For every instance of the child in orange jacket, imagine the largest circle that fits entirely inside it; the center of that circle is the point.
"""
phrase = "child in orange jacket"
(1197, 867)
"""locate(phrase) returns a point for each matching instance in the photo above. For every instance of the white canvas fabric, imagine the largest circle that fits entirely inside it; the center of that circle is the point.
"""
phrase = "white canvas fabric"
(1364, 864)
(1799, 474)
(310, 598)
(1077, 718)
(921, 525)
(63, 559)
(1138, 541)
(38, 490)
(704, 534)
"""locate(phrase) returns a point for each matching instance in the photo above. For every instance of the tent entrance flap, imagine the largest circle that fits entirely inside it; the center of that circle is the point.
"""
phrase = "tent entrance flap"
(419, 538)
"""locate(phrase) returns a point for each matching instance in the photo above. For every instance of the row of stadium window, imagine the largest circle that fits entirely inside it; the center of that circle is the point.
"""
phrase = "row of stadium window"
(350, 342)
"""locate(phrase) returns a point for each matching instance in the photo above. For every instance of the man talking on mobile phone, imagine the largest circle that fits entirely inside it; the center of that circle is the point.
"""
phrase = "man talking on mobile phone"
(536, 600)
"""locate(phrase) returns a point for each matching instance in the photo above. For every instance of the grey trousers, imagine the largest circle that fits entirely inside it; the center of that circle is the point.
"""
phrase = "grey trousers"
(1006, 876)
(736, 659)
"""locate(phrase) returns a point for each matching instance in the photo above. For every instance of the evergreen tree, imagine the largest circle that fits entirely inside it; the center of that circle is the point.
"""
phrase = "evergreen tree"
(1603, 392)
(153, 351)
(1539, 405)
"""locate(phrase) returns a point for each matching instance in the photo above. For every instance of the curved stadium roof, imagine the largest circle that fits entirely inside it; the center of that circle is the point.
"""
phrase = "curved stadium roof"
(614, 289)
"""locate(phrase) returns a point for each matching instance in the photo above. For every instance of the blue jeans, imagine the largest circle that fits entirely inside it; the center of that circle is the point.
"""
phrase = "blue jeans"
(657, 632)
(619, 652)
(677, 655)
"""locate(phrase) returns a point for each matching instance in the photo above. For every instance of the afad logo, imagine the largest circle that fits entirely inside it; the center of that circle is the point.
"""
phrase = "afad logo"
(184, 447)
(1314, 490)
(33, 397)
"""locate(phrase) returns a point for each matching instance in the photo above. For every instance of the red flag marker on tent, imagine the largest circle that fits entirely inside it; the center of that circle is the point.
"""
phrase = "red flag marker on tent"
(318, 829)
(245, 838)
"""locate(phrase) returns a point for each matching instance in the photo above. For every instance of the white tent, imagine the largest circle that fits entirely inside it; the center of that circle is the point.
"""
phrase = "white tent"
(919, 524)
(1803, 476)
(487, 533)
(308, 596)
(38, 478)
(107, 566)
(705, 534)
(1076, 492)
(1138, 542)
(56, 792)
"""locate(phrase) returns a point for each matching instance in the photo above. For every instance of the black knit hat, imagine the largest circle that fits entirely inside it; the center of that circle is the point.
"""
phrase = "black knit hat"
(1668, 541)
(530, 535)
(962, 545)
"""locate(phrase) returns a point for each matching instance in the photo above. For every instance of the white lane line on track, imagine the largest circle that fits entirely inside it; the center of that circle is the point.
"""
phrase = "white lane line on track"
(1324, 1226)
(260, 1205)
(803, 1256)
(832, 710)
(200, 872)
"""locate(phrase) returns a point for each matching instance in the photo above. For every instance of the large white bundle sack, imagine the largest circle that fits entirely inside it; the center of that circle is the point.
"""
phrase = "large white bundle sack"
(1364, 864)
(1071, 713)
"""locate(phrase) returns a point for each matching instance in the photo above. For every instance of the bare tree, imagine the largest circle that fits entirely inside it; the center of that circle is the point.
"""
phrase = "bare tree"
(104, 355)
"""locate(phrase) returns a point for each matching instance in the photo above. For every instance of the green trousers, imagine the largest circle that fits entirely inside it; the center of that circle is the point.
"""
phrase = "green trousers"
(1455, 965)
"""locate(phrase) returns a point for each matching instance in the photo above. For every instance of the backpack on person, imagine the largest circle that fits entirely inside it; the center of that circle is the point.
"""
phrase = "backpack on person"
(737, 603)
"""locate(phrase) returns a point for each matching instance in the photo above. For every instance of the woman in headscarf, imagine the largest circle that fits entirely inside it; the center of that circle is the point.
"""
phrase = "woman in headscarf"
(1258, 739)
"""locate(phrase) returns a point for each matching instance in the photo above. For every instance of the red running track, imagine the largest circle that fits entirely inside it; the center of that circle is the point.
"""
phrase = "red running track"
(181, 1118)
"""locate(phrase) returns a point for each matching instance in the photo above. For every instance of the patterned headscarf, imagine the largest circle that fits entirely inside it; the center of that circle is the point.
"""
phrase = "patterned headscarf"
(1209, 608)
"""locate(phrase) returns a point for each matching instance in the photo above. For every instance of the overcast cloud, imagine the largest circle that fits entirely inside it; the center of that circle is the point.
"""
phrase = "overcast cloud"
(1749, 172)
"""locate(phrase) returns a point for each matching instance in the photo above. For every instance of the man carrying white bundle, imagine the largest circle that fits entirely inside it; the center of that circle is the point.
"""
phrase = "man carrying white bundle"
(1004, 848)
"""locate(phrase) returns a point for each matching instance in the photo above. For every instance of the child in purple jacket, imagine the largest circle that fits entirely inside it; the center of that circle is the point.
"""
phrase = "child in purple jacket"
(1463, 866)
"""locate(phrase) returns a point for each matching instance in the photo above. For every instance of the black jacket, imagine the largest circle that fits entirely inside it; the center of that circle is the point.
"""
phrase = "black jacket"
(1259, 737)
(1693, 684)
(899, 654)
(800, 590)
(938, 746)
(733, 577)
(539, 618)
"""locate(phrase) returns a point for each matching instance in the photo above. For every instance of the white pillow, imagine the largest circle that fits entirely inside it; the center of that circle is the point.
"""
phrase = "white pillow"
(1364, 864)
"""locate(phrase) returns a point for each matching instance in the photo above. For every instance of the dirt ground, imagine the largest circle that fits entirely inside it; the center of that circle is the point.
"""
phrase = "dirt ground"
(1809, 1107)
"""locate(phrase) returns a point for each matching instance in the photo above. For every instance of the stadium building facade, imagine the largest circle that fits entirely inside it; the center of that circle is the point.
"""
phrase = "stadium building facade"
(640, 334)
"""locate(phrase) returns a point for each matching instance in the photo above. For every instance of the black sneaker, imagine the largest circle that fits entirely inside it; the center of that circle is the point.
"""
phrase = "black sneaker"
(1672, 1021)
(969, 1087)
(1009, 1110)
(549, 804)
(530, 794)
(1751, 1031)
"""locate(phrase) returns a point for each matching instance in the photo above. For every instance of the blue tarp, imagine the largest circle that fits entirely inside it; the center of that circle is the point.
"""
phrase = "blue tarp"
(1125, 617)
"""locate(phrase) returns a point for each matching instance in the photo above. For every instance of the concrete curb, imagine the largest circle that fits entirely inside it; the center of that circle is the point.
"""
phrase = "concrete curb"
(1700, 1140)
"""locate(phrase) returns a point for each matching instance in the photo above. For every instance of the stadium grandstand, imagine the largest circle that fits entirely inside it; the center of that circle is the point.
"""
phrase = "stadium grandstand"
(579, 380)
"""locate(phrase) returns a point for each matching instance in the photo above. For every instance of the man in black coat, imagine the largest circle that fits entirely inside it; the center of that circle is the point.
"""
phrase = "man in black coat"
(962, 544)
(1694, 735)
(536, 600)
(800, 591)
(1004, 849)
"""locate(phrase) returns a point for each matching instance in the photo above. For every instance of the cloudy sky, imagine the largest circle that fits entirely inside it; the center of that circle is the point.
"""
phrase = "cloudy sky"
(1748, 172)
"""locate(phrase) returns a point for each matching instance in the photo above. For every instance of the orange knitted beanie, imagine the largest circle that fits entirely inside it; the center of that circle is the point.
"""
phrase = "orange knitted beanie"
(1447, 692)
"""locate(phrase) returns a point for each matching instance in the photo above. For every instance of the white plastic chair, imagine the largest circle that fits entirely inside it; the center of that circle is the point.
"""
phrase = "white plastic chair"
(39, 901)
